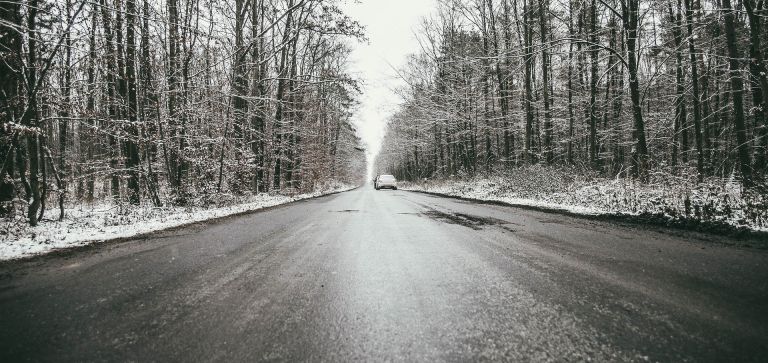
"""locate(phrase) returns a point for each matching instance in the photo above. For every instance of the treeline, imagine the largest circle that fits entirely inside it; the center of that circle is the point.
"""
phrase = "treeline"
(173, 101)
(623, 87)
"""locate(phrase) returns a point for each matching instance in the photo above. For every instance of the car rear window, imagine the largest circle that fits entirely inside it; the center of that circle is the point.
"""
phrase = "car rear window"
(387, 178)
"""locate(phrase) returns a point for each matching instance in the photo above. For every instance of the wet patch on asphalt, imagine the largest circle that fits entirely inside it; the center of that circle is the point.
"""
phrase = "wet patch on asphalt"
(553, 221)
(346, 211)
(467, 220)
(508, 229)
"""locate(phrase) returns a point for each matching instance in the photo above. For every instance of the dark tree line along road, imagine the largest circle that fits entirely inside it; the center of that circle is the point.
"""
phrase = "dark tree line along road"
(624, 88)
(392, 275)
(172, 102)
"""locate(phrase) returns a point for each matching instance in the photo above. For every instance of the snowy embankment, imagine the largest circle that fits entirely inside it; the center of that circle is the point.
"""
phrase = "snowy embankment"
(713, 205)
(86, 224)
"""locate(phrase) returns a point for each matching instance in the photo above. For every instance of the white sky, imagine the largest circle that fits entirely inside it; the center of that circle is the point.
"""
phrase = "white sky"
(390, 27)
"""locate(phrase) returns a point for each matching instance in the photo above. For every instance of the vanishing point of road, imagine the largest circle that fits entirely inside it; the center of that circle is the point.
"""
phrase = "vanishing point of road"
(392, 276)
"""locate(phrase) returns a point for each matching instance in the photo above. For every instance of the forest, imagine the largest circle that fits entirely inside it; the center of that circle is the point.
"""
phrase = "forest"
(176, 102)
(615, 88)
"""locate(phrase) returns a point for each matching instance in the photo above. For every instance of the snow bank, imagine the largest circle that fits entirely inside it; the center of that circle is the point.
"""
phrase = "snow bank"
(85, 224)
(715, 201)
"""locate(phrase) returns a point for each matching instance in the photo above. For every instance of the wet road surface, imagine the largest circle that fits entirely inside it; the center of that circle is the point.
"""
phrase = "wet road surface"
(392, 275)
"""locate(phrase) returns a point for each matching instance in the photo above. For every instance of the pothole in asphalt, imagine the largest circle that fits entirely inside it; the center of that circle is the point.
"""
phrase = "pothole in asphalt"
(345, 211)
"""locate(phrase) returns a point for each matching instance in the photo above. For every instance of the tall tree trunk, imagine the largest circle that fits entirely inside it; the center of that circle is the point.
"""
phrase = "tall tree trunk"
(281, 84)
(543, 12)
(500, 79)
(173, 155)
(528, 96)
(258, 92)
(695, 85)
(91, 103)
(569, 152)
(679, 139)
(290, 116)
(239, 91)
(65, 113)
(737, 91)
(618, 104)
(31, 114)
(111, 101)
(593, 52)
(487, 26)
(582, 148)
(148, 103)
(131, 143)
(509, 129)
(630, 16)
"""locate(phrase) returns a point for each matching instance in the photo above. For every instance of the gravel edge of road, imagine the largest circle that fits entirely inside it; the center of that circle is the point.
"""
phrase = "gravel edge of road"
(734, 236)
(96, 245)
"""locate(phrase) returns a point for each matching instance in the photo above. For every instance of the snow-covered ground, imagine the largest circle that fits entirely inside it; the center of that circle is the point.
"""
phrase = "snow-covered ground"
(85, 224)
(715, 201)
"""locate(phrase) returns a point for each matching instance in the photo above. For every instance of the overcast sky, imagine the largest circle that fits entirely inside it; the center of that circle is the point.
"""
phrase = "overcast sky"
(390, 26)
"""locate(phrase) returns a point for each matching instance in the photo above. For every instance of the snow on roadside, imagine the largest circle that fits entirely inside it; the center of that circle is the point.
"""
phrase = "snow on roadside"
(86, 224)
(484, 190)
(710, 202)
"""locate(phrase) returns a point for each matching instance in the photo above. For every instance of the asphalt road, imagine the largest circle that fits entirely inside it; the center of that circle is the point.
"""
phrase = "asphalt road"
(396, 276)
